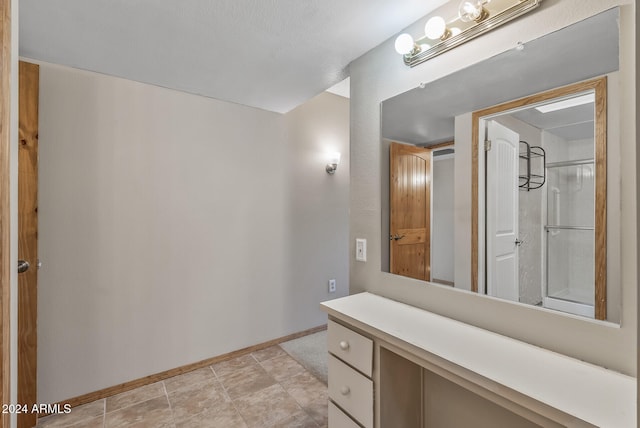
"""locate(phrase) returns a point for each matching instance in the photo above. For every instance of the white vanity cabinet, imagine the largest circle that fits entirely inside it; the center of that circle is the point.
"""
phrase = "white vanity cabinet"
(350, 366)
(395, 365)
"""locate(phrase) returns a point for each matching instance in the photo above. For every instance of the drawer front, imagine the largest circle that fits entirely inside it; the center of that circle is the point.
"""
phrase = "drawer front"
(351, 347)
(338, 419)
(351, 390)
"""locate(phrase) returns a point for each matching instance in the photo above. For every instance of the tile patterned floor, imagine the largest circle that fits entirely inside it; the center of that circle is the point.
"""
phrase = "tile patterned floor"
(264, 389)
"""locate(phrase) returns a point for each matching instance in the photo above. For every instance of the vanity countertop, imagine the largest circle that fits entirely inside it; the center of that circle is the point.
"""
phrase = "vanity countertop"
(594, 394)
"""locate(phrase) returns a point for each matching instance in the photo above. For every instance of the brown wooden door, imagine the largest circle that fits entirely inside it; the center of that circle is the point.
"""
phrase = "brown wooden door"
(28, 240)
(410, 216)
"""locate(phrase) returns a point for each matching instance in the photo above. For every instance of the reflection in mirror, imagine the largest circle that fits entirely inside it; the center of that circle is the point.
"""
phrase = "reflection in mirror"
(544, 157)
(442, 237)
(421, 207)
(562, 255)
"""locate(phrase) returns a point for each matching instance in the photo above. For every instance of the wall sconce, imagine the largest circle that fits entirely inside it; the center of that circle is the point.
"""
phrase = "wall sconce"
(334, 160)
(470, 19)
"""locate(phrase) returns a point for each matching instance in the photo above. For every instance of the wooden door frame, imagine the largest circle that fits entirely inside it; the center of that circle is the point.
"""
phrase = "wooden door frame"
(5, 210)
(599, 85)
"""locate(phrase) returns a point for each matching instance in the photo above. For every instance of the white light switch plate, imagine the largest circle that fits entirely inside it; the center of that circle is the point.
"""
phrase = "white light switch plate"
(361, 250)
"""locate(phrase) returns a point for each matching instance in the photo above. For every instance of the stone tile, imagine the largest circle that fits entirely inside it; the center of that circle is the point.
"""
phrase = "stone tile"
(91, 423)
(305, 388)
(282, 367)
(222, 415)
(268, 353)
(202, 398)
(266, 407)
(246, 381)
(188, 402)
(228, 367)
(154, 413)
(78, 414)
(134, 396)
(97, 422)
(318, 411)
(310, 393)
(297, 420)
(189, 379)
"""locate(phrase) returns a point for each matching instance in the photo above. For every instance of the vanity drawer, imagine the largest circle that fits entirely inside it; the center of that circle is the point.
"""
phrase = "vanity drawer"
(351, 390)
(338, 419)
(351, 347)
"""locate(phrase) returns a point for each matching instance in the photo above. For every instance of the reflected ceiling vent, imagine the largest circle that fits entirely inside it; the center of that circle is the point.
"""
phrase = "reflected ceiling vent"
(443, 152)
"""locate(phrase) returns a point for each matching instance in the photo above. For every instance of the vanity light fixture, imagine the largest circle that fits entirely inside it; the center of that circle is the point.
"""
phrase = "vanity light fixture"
(468, 19)
(334, 160)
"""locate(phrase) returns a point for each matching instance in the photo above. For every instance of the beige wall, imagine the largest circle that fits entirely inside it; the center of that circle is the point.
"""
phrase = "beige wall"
(447, 404)
(443, 226)
(637, 161)
(174, 228)
(381, 74)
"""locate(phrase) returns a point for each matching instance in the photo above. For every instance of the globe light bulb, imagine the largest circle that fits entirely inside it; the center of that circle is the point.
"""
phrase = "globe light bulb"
(471, 10)
(334, 158)
(435, 28)
(404, 44)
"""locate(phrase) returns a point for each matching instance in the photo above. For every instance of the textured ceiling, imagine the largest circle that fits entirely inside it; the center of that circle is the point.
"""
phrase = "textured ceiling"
(270, 54)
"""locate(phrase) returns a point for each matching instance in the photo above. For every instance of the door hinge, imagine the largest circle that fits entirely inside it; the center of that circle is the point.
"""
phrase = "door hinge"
(487, 145)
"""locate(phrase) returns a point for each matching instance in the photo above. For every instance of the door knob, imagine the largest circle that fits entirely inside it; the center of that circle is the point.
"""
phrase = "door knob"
(396, 237)
(519, 242)
(23, 266)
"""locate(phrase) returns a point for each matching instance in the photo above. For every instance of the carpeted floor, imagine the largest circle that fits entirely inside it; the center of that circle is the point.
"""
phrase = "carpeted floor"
(311, 352)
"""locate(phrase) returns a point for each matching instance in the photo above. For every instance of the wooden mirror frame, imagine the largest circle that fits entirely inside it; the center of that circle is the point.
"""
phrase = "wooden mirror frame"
(599, 86)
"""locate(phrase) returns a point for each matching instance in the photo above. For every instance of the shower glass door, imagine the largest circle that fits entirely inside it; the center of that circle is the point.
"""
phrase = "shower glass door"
(570, 237)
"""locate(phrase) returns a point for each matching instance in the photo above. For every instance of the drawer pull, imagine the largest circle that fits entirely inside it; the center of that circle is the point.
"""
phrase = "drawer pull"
(344, 345)
(345, 390)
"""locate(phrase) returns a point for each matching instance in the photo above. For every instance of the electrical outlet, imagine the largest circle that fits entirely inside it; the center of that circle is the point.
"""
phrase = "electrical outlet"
(361, 250)
(332, 286)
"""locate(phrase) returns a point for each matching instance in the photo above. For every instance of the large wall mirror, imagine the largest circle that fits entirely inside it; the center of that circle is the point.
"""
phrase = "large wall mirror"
(495, 177)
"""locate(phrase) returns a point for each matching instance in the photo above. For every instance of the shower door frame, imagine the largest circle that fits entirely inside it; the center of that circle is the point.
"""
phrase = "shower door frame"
(599, 87)
(553, 302)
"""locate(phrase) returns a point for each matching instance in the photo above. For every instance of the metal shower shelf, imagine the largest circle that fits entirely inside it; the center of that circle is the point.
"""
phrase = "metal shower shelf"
(531, 180)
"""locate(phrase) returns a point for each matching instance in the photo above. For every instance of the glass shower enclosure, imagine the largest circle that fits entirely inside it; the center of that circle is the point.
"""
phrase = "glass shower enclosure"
(570, 237)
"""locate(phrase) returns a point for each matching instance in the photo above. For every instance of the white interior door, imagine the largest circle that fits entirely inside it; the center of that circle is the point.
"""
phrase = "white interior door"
(502, 212)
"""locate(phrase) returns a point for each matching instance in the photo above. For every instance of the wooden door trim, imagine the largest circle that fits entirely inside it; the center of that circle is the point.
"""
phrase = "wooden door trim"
(598, 85)
(5, 228)
(441, 145)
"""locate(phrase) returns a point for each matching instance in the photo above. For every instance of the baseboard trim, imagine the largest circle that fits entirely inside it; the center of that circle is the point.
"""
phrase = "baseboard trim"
(133, 384)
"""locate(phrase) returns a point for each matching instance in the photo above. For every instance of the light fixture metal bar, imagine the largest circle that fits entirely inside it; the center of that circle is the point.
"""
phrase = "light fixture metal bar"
(520, 8)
